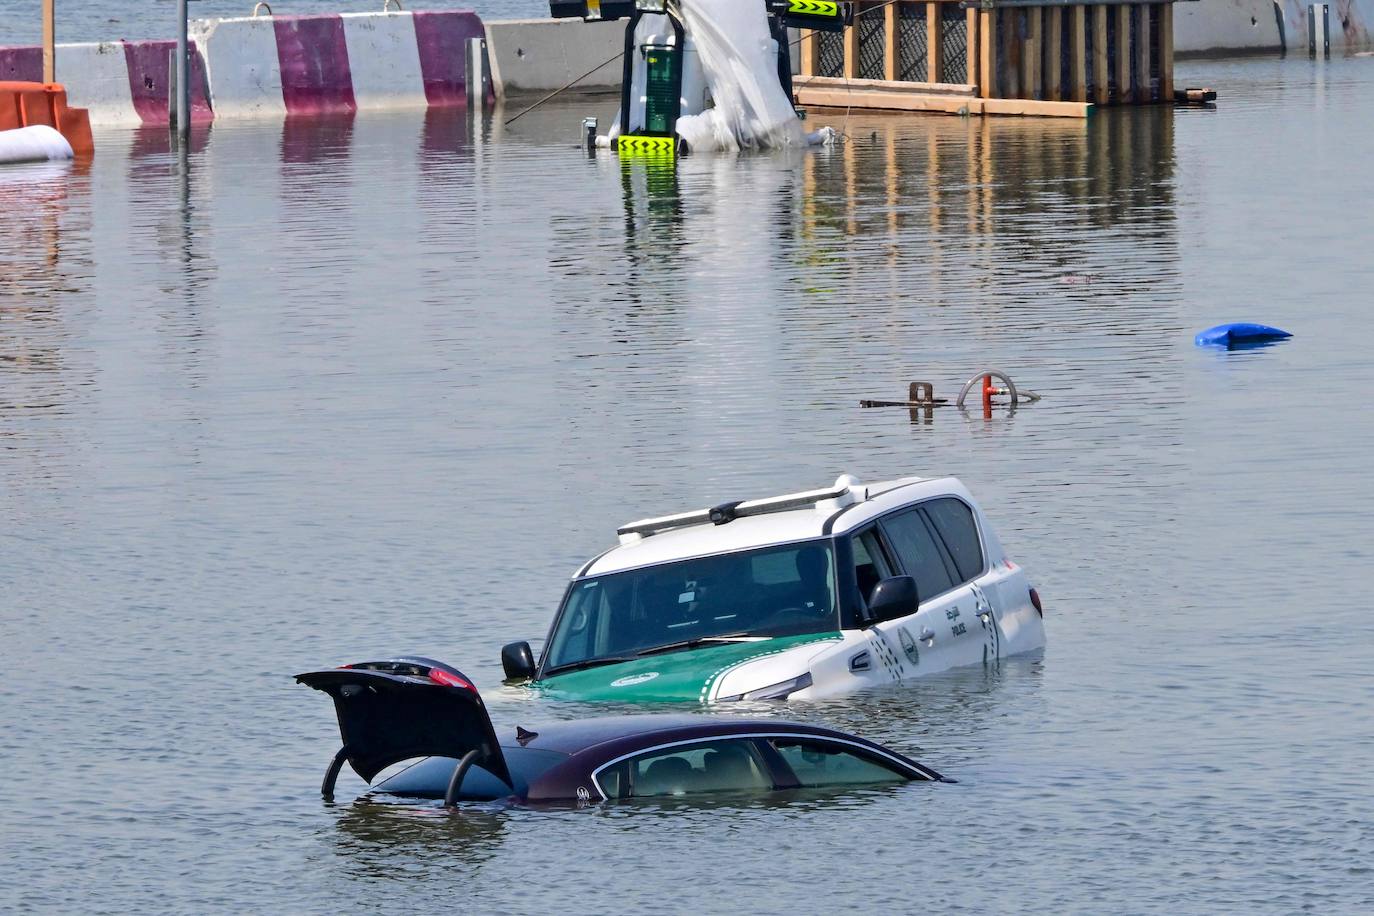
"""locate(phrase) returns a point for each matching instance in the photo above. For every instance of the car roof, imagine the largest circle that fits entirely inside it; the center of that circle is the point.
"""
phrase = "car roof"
(705, 538)
(573, 737)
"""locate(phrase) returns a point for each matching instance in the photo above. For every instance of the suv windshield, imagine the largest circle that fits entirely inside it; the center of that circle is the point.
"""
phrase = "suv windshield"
(773, 591)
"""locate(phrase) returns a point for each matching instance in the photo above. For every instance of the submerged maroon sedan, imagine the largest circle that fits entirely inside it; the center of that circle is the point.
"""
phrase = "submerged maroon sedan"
(405, 708)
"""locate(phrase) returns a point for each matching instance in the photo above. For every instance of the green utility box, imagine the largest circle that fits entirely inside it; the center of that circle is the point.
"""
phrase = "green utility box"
(660, 89)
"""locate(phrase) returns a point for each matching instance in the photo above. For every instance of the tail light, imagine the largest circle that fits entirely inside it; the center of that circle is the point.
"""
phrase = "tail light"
(1035, 600)
(440, 676)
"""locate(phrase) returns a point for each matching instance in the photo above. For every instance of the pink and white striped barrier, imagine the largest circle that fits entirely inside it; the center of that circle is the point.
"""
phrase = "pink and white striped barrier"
(119, 82)
(270, 66)
(305, 65)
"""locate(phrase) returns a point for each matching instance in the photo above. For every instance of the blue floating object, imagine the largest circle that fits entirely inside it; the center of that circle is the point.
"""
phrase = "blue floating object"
(1239, 334)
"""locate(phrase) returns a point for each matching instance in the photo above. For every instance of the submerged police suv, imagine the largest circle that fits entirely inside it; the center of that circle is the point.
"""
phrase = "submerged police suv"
(800, 596)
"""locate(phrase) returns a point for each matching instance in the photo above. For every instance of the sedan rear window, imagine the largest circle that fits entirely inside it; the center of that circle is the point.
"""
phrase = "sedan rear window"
(817, 763)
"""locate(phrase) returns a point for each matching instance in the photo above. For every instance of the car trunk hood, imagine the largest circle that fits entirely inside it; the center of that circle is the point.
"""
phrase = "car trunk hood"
(686, 674)
(401, 708)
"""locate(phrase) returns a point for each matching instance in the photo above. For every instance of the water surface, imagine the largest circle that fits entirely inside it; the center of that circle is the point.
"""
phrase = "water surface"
(380, 385)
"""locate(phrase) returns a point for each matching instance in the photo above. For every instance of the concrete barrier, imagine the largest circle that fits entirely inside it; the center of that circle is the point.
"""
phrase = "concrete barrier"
(270, 67)
(1213, 27)
(121, 83)
(306, 65)
(242, 66)
(540, 55)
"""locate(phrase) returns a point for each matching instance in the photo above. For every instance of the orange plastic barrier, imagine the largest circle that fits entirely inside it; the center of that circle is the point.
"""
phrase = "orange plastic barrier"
(26, 104)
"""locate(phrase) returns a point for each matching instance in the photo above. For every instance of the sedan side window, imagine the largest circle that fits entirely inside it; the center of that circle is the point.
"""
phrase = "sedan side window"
(953, 519)
(817, 763)
(911, 537)
(716, 766)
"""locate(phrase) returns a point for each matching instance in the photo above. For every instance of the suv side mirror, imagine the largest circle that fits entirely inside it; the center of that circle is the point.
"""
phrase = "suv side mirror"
(518, 661)
(892, 598)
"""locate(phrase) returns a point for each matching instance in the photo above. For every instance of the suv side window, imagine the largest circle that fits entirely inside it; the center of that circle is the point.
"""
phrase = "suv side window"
(915, 544)
(870, 563)
(953, 519)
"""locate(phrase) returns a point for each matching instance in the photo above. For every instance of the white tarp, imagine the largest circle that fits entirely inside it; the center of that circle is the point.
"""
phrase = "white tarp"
(739, 60)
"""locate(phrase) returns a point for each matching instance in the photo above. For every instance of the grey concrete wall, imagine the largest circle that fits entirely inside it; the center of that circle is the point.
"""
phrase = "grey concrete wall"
(540, 55)
(1228, 26)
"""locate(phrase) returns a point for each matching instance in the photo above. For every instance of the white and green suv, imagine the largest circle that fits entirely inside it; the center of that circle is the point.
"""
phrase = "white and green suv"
(800, 596)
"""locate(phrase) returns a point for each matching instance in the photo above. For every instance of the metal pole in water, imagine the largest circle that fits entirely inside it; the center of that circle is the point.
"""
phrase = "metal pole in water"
(1313, 11)
(475, 73)
(49, 43)
(183, 80)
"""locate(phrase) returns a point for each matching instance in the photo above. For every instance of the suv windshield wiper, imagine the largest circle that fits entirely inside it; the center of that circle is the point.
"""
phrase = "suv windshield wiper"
(699, 641)
(591, 663)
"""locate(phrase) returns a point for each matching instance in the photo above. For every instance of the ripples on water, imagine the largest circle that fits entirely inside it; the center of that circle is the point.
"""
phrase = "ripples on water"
(376, 386)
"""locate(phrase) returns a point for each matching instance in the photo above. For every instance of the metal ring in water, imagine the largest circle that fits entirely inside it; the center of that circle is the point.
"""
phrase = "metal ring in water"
(259, 6)
(995, 373)
(386, 4)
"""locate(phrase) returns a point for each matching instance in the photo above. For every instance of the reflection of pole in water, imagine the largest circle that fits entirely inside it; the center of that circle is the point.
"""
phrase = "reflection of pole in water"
(183, 180)
(182, 79)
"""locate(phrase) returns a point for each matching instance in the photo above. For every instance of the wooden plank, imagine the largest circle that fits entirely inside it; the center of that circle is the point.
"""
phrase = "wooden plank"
(1030, 54)
(830, 82)
(851, 51)
(934, 51)
(887, 101)
(1078, 52)
(889, 41)
(914, 101)
(1166, 52)
(987, 53)
(1123, 54)
(1054, 77)
(809, 42)
(49, 42)
(971, 48)
(1142, 52)
(1100, 54)
(1033, 107)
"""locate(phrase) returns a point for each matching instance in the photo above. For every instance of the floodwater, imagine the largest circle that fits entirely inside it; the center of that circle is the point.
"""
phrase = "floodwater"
(376, 386)
(106, 20)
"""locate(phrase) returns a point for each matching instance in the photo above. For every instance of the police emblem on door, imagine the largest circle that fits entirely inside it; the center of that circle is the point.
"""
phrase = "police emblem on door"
(913, 655)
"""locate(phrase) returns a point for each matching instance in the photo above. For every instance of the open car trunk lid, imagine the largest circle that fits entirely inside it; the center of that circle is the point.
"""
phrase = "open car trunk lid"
(401, 708)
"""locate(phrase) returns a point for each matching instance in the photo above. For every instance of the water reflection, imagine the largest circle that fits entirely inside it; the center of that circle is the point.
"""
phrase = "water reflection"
(421, 397)
(372, 836)
(46, 268)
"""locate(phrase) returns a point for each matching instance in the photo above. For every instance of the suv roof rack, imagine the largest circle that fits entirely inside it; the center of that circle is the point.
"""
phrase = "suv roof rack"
(846, 491)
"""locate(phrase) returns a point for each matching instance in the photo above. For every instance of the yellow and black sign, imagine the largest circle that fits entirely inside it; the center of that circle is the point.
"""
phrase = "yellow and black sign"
(813, 7)
(635, 145)
(821, 15)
